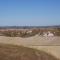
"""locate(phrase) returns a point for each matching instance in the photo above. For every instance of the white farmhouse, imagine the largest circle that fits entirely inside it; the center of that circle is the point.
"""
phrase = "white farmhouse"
(50, 34)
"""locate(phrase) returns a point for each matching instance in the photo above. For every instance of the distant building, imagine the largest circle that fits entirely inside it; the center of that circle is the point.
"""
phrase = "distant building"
(46, 34)
(50, 34)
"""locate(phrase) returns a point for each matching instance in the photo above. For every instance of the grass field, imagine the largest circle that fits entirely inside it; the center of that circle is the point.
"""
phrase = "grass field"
(36, 40)
(54, 50)
(50, 45)
(11, 52)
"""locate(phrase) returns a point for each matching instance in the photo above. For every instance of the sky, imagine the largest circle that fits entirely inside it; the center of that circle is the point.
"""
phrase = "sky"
(29, 12)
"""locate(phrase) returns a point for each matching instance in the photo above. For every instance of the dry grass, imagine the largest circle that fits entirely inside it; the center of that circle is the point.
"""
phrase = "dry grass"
(54, 50)
(11, 52)
(36, 42)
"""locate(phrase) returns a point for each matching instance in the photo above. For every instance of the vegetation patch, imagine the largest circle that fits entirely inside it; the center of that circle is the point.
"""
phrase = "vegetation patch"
(27, 33)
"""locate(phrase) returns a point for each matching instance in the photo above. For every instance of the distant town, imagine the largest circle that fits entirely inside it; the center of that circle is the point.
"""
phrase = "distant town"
(28, 31)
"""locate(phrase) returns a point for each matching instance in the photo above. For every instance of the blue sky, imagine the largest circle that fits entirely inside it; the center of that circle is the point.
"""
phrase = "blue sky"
(29, 12)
